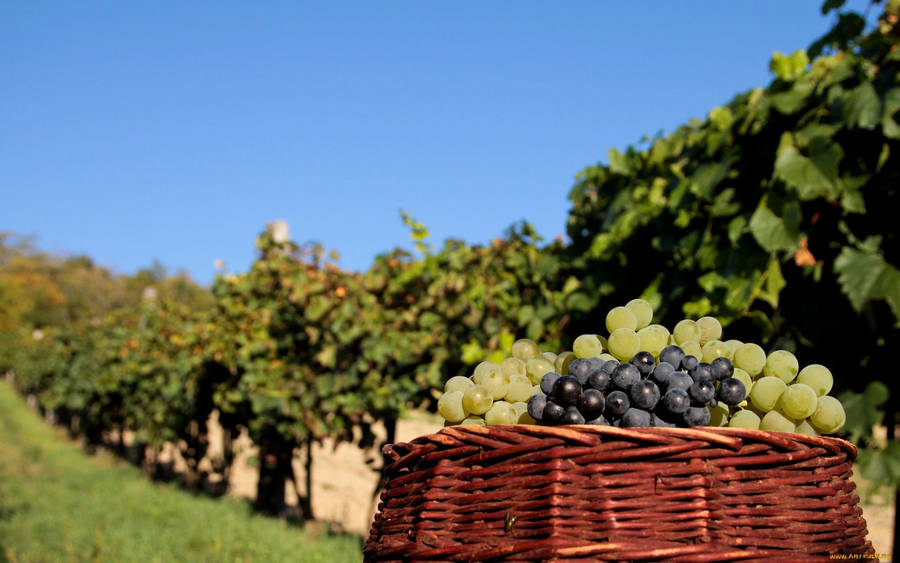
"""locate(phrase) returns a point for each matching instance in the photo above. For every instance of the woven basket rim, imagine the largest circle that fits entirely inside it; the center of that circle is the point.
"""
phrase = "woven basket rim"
(725, 436)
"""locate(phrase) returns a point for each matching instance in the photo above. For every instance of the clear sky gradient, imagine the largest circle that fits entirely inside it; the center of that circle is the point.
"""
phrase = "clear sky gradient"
(134, 131)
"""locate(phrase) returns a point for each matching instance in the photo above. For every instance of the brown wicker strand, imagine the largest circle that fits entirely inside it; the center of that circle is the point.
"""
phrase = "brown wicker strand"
(575, 493)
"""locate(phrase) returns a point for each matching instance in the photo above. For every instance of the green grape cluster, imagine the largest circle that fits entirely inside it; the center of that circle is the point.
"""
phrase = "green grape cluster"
(785, 398)
(779, 395)
(498, 393)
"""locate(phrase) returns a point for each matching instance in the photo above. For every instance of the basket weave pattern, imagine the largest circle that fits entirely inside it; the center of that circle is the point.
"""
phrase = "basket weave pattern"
(529, 493)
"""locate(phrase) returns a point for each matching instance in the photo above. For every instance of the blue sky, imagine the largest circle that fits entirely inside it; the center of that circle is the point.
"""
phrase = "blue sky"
(134, 131)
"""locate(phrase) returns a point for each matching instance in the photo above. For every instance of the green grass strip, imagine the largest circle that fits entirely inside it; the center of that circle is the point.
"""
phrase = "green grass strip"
(59, 505)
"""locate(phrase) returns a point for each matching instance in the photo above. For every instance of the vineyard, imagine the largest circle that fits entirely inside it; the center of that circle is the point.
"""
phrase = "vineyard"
(776, 214)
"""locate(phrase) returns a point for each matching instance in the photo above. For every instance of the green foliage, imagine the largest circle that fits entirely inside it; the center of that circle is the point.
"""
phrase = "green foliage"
(777, 214)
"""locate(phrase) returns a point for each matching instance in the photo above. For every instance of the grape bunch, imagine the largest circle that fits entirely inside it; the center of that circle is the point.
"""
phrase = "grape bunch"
(641, 374)
(679, 390)
(785, 398)
(497, 393)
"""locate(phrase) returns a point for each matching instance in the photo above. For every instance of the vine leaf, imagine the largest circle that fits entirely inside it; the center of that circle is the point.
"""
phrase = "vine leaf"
(881, 466)
(864, 410)
(863, 106)
(773, 232)
(865, 276)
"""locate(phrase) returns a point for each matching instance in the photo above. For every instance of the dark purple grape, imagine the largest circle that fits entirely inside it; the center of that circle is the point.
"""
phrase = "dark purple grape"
(609, 366)
(553, 413)
(598, 380)
(572, 416)
(679, 380)
(722, 368)
(580, 369)
(696, 416)
(656, 419)
(599, 421)
(547, 382)
(676, 400)
(644, 394)
(713, 403)
(625, 376)
(566, 390)
(644, 361)
(688, 363)
(616, 404)
(702, 372)
(661, 373)
(731, 391)
(591, 403)
(702, 392)
(536, 406)
(672, 355)
(635, 417)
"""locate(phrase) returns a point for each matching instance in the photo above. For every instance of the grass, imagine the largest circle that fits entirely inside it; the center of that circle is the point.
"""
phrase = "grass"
(59, 505)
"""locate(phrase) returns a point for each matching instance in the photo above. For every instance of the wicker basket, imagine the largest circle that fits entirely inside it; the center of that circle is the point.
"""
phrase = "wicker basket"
(531, 493)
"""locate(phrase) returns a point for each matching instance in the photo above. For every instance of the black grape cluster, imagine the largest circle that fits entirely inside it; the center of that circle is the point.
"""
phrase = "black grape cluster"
(679, 390)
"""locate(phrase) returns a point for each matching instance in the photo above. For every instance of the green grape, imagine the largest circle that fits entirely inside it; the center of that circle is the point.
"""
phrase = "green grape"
(549, 356)
(477, 399)
(710, 329)
(525, 349)
(603, 341)
(587, 346)
(512, 366)
(561, 365)
(620, 317)
(719, 415)
(744, 378)
(798, 401)
(692, 348)
(519, 389)
(519, 407)
(783, 365)
(483, 369)
(624, 343)
(519, 378)
(744, 419)
(774, 421)
(818, 377)
(804, 427)
(606, 356)
(766, 392)
(458, 383)
(450, 406)
(686, 331)
(732, 346)
(535, 368)
(714, 349)
(654, 338)
(496, 383)
(750, 358)
(522, 416)
(501, 412)
(829, 416)
(643, 312)
(525, 418)
(476, 420)
(536, 390)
